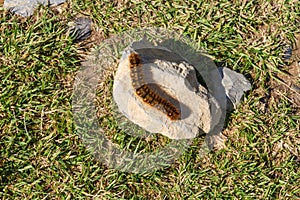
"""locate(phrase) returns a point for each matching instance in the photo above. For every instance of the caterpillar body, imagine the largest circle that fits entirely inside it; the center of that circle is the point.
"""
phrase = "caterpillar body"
(146, 93)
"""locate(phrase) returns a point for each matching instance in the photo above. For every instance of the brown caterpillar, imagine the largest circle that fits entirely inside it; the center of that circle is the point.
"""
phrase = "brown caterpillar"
(147, 94)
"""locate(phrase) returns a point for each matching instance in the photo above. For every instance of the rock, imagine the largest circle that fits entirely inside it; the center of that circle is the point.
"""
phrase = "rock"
(235, 85)
(166, 73)
(26, 8)
(80, 29)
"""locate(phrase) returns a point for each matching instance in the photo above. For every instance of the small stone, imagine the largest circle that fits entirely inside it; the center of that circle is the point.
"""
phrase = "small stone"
(235, 85)
(81, 29)
(26, 8)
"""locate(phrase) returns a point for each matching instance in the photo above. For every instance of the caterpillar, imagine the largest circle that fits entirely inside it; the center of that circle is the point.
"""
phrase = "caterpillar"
(146, 93)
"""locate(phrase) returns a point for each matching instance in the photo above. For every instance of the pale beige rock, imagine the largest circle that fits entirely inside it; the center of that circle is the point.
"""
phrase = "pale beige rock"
(178, 80)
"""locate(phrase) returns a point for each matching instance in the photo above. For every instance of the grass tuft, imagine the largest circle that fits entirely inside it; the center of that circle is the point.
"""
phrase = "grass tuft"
(42, 157)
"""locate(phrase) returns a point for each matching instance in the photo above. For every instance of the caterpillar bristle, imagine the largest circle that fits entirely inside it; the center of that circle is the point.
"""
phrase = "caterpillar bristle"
(148, 95)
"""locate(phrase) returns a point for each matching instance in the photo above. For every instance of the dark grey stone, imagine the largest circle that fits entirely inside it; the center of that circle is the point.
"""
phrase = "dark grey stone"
(81, 29)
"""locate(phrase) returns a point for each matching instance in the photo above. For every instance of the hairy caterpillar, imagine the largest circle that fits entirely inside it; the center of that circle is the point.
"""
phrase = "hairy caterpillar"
(146, 93)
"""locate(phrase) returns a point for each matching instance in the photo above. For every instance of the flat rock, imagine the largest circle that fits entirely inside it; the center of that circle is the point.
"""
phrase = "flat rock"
(173, 75)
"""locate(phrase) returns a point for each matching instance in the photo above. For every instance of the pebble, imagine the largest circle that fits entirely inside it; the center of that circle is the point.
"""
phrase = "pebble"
(81, 29)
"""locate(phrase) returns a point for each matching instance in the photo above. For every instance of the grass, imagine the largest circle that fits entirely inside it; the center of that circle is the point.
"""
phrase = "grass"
(43, 158)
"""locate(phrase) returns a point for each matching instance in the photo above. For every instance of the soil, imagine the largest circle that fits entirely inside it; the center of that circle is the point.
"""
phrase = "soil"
(289, 85)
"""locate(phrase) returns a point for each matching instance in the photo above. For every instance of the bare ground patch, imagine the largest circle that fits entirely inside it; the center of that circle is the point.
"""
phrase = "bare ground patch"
(288, 84)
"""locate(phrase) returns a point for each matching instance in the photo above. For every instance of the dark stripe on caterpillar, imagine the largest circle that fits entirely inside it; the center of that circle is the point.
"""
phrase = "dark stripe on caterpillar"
(147, 94)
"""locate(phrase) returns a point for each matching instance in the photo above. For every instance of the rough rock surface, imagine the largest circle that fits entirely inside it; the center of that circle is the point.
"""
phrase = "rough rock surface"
(174, 76)
(26, 8)
(235, 85)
